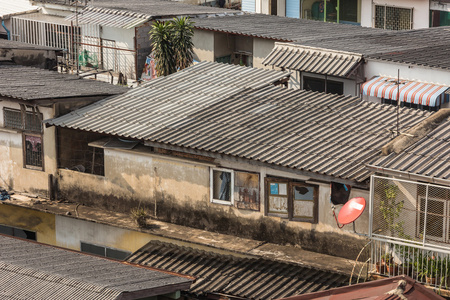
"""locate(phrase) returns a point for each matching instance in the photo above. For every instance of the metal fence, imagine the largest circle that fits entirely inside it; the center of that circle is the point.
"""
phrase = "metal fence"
(409, 228)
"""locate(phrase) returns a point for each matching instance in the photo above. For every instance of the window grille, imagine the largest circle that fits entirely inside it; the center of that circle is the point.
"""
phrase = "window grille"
(33, 151)
(393, 18)
(13, 118)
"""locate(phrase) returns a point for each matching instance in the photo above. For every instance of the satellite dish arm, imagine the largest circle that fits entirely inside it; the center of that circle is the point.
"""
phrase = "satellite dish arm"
(334, 214)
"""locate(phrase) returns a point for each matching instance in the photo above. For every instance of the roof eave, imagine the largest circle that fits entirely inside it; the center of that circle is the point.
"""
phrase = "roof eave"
(408, 175)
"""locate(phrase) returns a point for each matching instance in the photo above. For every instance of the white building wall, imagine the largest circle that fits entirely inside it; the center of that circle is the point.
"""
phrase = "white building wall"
(421, 11)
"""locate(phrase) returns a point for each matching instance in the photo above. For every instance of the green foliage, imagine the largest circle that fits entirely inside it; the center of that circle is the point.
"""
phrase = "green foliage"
(140, 216)
(391, 209)
(172, 45)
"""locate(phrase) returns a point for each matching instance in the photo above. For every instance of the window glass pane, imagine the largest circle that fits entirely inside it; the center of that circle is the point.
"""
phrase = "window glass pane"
(25, 234)
(221, 185)
(278, 205)
(93, 249)
(33, 150)
(12, 118)
(303, 193)
(304, 209)
(282, 189)
(274, 188)
(348, 11)
(6, 230)
(32, 122)
(246, 190)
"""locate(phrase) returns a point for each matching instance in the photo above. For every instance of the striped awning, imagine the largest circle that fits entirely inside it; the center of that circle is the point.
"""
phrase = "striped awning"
(410, 91)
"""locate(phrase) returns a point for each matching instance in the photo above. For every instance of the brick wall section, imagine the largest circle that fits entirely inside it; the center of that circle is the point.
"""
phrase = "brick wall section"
(143, 46)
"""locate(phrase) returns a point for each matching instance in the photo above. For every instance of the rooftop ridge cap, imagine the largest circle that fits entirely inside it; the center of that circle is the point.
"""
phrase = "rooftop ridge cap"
(414, 134)
(297, 45)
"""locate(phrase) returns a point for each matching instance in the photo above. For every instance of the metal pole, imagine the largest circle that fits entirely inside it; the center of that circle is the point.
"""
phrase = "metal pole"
(398, 102)
(76, 38)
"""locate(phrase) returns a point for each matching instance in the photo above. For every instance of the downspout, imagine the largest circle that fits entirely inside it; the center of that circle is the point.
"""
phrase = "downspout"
(8, 33)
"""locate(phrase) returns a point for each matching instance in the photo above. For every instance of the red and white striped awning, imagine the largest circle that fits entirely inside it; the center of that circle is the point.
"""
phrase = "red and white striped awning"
(410, 91)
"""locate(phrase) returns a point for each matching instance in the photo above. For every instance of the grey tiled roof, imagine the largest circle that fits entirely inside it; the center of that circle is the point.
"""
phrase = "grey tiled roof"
(280, 28)
(430, 156)
(29, 270)
(154, 8)
(249, 278)
(27, 83)
(234, 110)
(422, 47)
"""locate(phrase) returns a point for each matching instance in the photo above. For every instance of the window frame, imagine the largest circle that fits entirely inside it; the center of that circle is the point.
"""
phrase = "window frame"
(24, 152)
(445, 238)
(290, 198)
(211, 187)
(105, 250)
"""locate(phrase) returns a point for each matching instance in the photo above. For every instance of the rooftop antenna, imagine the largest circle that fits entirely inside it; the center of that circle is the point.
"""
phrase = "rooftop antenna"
(351, 211)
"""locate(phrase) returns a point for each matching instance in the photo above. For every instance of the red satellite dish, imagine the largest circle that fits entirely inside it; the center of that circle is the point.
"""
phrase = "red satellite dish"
(352, 210)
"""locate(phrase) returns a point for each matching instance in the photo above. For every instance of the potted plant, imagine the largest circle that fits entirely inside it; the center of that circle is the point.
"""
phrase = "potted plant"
(140, 216)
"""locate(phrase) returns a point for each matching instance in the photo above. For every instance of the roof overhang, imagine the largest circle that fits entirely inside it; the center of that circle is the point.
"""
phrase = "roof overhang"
(312, 59)
(408, 91)
(408, 175)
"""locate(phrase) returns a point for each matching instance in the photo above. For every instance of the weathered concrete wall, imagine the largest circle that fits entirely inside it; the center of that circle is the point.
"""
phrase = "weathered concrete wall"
(41, 223)
(224, 44)
(261, 48)
(203, 45)
(13, 174)
(44, 59)
(178, 189)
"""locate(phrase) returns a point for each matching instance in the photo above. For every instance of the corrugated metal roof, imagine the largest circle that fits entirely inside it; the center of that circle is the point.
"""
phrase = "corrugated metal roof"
(8, 7)
(235, 111)
(29, 83)
(109, 17)
(250, 278)
(281, 28)
(310, 59)
(429, 157)
(40, 17)
(29, 270)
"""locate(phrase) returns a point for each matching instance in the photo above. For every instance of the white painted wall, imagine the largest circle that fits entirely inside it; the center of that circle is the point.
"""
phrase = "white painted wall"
(421, 11)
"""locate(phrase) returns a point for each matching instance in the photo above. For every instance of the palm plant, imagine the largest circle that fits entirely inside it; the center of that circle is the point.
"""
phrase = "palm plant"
(183, 31)
(172, 45)
(163, 51)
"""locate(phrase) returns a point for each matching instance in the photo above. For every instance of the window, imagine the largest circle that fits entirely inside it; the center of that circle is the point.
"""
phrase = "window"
(291, 200)
(246, 190)
(394, 18)
(15, 119)
(22, 233)
(437, 223)
(318, 85)
(222, 186)
(31, 125)
(104, 251)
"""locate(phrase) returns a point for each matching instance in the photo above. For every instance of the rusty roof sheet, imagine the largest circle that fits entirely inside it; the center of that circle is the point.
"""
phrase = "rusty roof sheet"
(313, 59)
(235, 111)
(249, 278)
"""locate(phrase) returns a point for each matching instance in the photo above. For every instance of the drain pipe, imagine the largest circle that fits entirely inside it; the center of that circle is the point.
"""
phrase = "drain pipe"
(8, 33)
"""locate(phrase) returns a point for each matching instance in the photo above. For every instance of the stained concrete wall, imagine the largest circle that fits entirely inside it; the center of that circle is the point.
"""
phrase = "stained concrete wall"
(224, 44)
(44, 59)
(261, 48)
(13, 174)
(179, 190)
(24, 218)
(203, 45)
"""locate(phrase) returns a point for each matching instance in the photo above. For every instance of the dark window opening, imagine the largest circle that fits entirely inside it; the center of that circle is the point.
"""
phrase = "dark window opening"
(104, 251)
(318, 85)
(410, 105)
(17, 232)
(273, 7)
(33, 151)
(28, 121)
